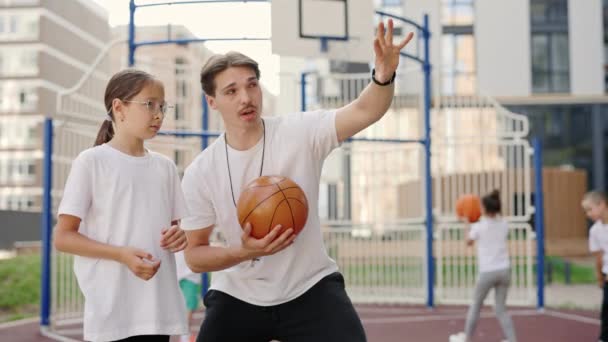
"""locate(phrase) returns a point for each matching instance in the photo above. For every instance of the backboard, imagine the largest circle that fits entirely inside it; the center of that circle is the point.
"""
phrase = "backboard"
(334, 29)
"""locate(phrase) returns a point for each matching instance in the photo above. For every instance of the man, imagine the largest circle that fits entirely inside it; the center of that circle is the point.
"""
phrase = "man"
(282, 287)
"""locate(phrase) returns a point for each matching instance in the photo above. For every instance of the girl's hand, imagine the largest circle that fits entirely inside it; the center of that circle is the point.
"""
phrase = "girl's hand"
(140, 262)
(173, 239)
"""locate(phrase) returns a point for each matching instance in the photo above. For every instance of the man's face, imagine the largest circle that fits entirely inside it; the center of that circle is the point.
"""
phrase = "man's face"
(238, 96)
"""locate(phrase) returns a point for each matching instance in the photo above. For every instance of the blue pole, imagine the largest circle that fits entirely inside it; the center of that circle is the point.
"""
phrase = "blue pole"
(205, 121)
(303, 91)
(204, 144)
(132, 7)
(46, 224)
(427, 167)
(539, 223)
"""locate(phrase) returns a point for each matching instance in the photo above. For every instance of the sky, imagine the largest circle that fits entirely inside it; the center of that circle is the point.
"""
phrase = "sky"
(207, 20)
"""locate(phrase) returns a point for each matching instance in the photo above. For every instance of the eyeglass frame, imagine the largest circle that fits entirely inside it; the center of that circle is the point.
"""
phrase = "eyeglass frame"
(162, 107)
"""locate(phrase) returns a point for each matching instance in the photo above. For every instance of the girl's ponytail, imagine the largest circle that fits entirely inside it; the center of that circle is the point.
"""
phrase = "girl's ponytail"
(105, 134)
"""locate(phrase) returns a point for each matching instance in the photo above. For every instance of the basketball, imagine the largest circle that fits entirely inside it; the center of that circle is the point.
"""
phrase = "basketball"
(469, 206)
(271, 200)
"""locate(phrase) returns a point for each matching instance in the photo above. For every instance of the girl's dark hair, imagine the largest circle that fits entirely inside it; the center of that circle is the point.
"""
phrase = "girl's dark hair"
(491, 202)
(218, 63)
(124, 85)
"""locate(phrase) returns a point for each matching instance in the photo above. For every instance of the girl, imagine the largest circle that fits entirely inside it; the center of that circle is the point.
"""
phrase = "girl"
(119, 215)
(491, 234)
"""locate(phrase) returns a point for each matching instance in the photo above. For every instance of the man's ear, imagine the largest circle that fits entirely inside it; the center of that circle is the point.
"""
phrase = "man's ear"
(211, 102)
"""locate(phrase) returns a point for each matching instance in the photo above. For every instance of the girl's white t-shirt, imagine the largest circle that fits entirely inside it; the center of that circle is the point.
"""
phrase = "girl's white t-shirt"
(296, 146)
(491, 239)
(124, 200)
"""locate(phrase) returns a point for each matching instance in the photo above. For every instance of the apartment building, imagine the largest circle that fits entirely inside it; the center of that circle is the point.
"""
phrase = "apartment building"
(45, 47)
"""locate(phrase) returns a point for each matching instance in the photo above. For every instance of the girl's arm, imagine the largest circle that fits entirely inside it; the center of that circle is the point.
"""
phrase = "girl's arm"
(67, 239)
(467, 230)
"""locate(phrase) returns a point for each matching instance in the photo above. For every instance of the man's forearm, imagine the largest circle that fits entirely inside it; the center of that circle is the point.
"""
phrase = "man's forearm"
(375, 100)
(211, 258)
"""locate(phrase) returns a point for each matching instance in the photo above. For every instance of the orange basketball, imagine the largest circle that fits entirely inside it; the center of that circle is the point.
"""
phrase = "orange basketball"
(271, 200)
(469, 206)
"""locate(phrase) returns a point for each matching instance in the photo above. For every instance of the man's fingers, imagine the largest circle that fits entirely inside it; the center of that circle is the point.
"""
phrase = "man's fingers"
(406, 40)
(280, 240)
(389, 33)
(377, 48)
(380, 35)
(272, 235)
(246, 230)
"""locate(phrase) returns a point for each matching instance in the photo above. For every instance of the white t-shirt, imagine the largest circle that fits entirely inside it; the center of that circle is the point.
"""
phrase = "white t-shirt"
(126, 201)
(598, 241)
(296, 146)
(491, 239)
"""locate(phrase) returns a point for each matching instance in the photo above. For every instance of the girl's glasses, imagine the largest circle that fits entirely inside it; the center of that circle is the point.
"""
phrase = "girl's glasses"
(153, 106)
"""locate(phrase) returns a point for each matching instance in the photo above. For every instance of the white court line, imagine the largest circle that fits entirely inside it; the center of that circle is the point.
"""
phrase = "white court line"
(410, 319)
(457, 314)
(19, 322)
(421, 311)
(573, 317)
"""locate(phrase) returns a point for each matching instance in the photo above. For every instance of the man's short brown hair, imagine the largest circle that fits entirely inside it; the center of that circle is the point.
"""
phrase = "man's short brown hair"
(220, 62)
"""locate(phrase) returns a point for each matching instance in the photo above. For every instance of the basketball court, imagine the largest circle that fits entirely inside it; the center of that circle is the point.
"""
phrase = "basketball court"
(388, 216)
(399, 323)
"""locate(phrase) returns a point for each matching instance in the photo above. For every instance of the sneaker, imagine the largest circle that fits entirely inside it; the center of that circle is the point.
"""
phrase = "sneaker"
(460, 337)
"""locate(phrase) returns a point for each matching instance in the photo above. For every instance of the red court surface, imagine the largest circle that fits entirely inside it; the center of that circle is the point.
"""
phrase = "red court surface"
(417, 323)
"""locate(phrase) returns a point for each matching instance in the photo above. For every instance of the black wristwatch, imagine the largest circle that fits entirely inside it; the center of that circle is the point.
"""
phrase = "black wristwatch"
(383, 83)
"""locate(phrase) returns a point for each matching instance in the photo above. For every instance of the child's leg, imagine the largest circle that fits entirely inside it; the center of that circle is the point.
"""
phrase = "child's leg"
(604, 326)
(500, 292)
(484, 284)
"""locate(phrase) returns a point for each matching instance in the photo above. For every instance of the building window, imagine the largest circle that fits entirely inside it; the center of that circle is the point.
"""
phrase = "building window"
(458, 71)
(18, 96)
(457, 12)
(19, 132)
(179, 111)
(17, 170)
(391, 3)
(458, 64)
(21, 26)
(550, 51)
(18, 61)
(565, 131)
(17, 202)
